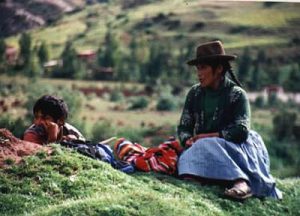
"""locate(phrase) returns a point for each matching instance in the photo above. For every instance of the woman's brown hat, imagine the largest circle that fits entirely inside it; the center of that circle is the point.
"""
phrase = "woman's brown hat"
(209, 51)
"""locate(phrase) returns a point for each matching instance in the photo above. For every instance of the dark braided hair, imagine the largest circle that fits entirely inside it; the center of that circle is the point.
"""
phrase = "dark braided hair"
(52, 106)
(228, 68)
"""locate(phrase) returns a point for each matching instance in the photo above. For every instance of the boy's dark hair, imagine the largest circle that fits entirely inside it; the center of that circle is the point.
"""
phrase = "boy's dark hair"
(52, 106)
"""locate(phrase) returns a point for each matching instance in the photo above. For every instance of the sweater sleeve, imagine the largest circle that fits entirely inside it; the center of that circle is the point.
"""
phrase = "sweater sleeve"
(237, 131)
(32, 137)
(185, 129)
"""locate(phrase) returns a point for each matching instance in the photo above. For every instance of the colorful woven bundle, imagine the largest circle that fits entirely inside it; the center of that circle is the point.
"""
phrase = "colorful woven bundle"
(161, 159)
(128, 151)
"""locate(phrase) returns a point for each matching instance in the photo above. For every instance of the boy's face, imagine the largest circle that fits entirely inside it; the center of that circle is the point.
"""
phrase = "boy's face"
(40, 119)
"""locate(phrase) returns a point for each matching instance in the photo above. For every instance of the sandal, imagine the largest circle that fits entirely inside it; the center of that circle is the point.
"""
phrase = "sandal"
(238, 192)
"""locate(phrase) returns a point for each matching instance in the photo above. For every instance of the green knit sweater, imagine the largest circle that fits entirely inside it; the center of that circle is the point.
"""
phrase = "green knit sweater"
(225, 110)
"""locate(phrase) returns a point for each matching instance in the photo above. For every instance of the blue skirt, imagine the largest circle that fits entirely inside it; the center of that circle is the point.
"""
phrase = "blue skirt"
(216, 158)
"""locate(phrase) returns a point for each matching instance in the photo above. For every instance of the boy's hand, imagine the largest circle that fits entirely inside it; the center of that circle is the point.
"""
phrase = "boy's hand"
(69, 137)
(52, 129)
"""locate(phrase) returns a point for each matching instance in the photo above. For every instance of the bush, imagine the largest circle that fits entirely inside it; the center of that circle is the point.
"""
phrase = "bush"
(283, 124)
(16, 126)
(134, 135)
(260, 102)
(172, 24)
(139, 103)
(239, 29)
(296, 132)
(116, 95)
(101, 131)
(273, 99)
(166, 103)
(81, 125)
(198, 26)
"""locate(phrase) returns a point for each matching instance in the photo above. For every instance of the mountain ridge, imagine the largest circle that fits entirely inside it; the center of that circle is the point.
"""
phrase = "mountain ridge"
(18, 16)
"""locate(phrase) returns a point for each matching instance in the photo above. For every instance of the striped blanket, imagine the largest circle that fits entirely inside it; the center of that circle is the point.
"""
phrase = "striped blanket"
(161, 159)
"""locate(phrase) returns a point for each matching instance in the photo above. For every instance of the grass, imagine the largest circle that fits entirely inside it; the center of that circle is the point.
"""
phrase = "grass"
(68, 183)
(261, 17)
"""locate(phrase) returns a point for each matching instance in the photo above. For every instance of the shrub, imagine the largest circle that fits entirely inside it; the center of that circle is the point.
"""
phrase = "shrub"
(296, 131)
(16, 126)
(102, 131)
(172, 24)
(239, 29)
(260, 102)
(283, 124)
(198, 26)
(9, 161)
(116, 95)
(134, 135)
(81, 125)
(139, 103)
(166, 103)
(273, 99)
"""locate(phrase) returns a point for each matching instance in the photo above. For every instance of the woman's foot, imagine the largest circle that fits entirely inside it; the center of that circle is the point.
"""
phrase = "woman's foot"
(239, 191)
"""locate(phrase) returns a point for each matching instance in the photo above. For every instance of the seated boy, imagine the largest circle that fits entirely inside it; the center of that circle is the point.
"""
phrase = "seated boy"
(49, 123)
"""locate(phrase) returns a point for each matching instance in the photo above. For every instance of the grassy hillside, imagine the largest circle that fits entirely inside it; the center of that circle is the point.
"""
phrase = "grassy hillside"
(71, 184)
(238, 24)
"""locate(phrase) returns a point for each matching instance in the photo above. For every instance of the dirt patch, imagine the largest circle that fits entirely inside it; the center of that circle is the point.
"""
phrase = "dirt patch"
(12, 149)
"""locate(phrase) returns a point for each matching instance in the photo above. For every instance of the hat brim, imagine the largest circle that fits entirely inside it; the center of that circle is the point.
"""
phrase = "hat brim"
(212, 57)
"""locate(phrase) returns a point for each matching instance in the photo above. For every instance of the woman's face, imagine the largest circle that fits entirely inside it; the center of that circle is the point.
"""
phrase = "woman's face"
(209, 77)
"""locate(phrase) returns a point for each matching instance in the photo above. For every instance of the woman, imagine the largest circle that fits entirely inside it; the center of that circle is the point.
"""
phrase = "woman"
(215, 130)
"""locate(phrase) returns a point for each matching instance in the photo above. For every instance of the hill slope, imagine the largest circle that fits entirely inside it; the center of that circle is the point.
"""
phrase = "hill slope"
(71, 184)
(18, 16)
(177, 22)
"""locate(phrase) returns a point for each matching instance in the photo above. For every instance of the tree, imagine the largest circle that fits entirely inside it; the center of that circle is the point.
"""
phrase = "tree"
(156, 61)
(25, 49)
(2, 51)
(3, 66)
(72, 67)
(245, 65)
(254, 85)
(108, 53)
(80, 71)
(293, 80)
(273, 73)
(185, 53)
(33, 68)
(257, 72)
(133, 60)
(43, 53)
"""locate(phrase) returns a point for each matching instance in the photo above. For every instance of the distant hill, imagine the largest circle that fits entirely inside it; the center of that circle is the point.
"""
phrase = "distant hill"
(17, 16)
(272, 27)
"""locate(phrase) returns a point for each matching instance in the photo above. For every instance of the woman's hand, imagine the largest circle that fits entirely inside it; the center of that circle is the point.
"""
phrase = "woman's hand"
(189, 142)
(192, 140)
